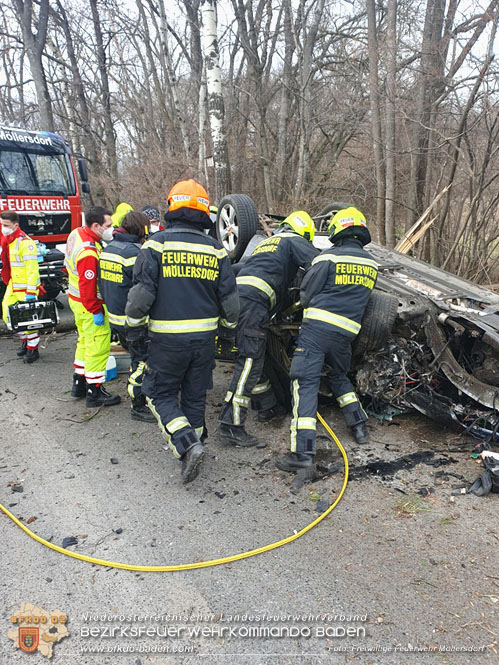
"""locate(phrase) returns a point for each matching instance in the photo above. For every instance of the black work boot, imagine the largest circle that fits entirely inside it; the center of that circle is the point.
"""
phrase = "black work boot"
(79, 388)
(98, 396)
(276, 411)
(294, 462)
(236, 435)
(31, 356)
(191, 462)
(141, 412)
(360, 433)
(23, 349)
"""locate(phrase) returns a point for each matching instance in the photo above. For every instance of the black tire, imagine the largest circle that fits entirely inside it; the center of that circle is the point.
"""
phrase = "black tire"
(379, 317)
(237, 223)
(329, 210)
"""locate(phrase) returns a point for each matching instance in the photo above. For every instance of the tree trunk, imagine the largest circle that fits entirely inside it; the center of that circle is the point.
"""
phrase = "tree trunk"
(283, 118)
(110, 138)
(163, 110)
(192, 9)
(428, 89)
(202, 108)
(173, 81)
(34, 43)
(390, 128)
(215, 99)
(306, 121)
(377, 136)
(89, 143)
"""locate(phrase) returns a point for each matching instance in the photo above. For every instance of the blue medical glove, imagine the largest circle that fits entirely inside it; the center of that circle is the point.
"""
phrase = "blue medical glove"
(29, 296)
(99, 319)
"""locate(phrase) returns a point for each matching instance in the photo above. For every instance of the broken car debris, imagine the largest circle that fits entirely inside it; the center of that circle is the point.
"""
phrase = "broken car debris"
(429, 339)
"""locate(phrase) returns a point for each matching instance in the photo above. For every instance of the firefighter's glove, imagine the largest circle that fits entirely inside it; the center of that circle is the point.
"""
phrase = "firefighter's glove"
(225, 342)
(225, 333)
(136, 333)
(29, 296)
(99, 319)
(224, 348)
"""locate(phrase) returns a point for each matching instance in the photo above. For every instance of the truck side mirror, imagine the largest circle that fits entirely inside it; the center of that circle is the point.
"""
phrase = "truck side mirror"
(85, 187)
(82, 167)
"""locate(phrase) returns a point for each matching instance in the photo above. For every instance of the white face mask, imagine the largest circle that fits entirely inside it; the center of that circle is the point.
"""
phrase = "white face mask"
(153, 228)
(107, 234)
(7, 231)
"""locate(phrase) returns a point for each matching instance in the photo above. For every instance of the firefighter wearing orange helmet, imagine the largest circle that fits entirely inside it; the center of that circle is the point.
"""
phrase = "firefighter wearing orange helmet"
(185, 285)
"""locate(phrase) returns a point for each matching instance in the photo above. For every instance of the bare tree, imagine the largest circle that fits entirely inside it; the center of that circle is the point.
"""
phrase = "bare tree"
(110, 142)
(377, 136)
(215, 98)
(34, 43)
(306, 78)
(391, 92)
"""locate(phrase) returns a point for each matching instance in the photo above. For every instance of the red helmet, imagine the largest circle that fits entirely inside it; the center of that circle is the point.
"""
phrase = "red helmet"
(188, 194)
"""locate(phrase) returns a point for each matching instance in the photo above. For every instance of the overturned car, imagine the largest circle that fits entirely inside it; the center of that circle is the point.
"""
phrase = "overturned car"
(429, 340)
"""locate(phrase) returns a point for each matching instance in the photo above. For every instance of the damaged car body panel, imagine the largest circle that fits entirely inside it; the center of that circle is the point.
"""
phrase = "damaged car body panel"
(429, 341)
(442, 355)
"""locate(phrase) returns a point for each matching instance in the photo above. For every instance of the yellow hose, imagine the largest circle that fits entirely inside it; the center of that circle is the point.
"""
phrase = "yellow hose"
(198, 564)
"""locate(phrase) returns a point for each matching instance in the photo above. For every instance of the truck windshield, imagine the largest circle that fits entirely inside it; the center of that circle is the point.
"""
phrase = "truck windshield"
(29, 173)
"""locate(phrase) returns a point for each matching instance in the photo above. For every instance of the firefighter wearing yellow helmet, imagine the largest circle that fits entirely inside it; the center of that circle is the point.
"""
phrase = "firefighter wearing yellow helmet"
(334, 294)
(263, 282)
(185, 284)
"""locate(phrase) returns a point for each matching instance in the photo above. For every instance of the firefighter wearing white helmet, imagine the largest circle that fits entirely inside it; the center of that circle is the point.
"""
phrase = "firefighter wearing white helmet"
(334, 294)
(263, 282)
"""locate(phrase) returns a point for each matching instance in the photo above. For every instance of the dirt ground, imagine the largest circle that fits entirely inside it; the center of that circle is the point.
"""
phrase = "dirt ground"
(404, 570)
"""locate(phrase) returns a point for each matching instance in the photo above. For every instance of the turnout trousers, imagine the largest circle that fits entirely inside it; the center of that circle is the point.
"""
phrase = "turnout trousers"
(249, 382)
(314, 347)
(93, 345)
(138, 356)
(177, 377)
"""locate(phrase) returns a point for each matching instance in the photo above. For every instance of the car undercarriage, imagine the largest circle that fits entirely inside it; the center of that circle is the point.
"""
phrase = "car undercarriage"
(429, 339)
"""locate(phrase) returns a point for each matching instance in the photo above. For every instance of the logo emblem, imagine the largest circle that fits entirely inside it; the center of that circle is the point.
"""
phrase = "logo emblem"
(28, 638)
(36, 629)
(89, 274)
(70, 245)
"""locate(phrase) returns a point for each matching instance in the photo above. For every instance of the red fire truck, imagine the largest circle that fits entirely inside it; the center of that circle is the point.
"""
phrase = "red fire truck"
(38, 181)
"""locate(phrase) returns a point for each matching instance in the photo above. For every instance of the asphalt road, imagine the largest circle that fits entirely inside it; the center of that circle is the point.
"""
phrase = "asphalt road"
(389, 577)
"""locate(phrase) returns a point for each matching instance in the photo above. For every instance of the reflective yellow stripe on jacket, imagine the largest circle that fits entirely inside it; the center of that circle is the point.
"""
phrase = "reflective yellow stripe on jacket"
(175, 246)
(257, 283)
(332, 319)
(183, 326)
(116, 319)
(79, 249)
(117, 258)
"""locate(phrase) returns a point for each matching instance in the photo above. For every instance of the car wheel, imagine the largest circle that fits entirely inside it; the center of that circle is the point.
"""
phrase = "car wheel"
(237, 223)
(324, 217)
(377, 323)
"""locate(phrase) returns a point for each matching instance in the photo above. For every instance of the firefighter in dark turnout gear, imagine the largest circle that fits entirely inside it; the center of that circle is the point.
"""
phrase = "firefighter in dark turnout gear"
(263, 282)
(334, 294)
(185, 284)
(116, 264)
